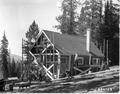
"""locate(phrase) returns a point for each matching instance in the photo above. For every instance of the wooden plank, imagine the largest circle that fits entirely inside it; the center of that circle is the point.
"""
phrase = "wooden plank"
(86, 70)
(78, 69)
(82, 70)
(50, 67)
(46, 70)
(50, 54)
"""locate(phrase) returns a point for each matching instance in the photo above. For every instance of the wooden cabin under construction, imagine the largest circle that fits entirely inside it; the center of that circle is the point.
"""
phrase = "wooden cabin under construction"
(62, 52)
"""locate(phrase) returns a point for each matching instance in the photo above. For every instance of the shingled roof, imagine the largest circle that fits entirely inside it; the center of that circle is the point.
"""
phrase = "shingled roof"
(70, 44)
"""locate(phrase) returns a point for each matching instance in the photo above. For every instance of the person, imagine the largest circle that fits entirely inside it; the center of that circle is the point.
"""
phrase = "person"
(68, 74)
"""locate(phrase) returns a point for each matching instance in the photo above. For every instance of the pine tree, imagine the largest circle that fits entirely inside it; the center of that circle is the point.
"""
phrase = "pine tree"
(32, 32)
(9, 63)
(67, 23)
(110, 31)
(18, 70)
(91, 17)
(4, 55)
(31, 36)
(13, 68)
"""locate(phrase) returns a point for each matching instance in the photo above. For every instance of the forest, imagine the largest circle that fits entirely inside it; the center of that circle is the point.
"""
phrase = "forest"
(101, 17)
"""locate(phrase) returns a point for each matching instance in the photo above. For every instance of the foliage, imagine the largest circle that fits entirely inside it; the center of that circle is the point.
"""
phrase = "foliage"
(104, 24)
(67, 23)
(91, 17)
(31, 35)
(18, 69)
(13, 68)
(110, 31)
(32, 32)
(111, 21)
(4, 55)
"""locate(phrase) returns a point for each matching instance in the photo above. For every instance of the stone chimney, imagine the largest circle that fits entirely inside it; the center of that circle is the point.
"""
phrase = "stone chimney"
(88, 39)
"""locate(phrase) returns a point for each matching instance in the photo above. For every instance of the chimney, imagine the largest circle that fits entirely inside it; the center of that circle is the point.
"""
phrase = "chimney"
(88, 39)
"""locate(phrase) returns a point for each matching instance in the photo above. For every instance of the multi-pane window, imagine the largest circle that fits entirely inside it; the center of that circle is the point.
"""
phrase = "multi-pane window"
(95, 61)
(52, 58)
(80, 61)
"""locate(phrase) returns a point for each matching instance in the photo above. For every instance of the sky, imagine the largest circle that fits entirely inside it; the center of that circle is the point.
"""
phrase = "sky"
(17, 15)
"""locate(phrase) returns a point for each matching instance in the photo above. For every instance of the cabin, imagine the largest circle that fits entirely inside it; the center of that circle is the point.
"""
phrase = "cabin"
(62, 52)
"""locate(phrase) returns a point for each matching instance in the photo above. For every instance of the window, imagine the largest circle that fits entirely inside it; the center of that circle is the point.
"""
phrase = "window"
(80, 61)
(41, 58)
(56, 58)
(52, 58)
(48, 58)
(95, 61)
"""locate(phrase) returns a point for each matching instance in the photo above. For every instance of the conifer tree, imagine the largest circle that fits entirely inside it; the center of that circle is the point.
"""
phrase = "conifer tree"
(32, 32)
(31, 36)
(13, 68)
(4, 55)
(67, 23)
(110, 32)
(91, 17)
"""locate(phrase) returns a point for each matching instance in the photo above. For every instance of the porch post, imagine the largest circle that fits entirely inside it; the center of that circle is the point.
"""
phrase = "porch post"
(58, 67)
(90, 58)
(69, 62)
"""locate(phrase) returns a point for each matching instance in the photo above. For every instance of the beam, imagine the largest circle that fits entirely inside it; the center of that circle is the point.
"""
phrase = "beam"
(86, 70)
(51, 54)
(50, 67)
(78, 69)
(48, 73)
(82, 70)
(46, 70)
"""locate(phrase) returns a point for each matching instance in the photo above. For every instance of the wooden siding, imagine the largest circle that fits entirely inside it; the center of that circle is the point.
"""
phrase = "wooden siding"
(64, 64)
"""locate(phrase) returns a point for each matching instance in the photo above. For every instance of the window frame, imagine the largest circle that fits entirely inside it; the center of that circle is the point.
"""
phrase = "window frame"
(79, 64)
(97, 61)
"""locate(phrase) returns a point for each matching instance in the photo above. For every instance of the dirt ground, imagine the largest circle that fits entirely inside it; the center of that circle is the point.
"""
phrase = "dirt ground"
(105, 83)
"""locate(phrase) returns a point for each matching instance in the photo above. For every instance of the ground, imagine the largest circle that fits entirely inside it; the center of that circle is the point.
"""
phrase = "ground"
(106, 81)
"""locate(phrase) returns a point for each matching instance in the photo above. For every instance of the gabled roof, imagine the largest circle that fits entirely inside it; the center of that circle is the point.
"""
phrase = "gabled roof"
(70, 44)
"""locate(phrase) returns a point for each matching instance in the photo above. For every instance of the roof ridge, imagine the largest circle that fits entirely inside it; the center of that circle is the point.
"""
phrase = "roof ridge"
(76, 36)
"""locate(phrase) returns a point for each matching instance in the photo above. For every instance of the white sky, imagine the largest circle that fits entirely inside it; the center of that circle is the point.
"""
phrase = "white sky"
(17, 15)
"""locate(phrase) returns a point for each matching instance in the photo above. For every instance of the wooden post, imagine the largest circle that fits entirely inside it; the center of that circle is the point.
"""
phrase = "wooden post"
(69, 62)
(104, 46)
(90, 56)
(58, 67)
(53, 54)
(22, 59)
(107, 53)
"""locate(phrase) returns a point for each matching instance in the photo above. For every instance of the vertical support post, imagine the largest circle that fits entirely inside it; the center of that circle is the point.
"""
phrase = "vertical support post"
(22, 58)
(69, 62)
(53, 54)
(90, 57)
(58, 67)
(104, 46)
(107, 53)
(46, 60)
